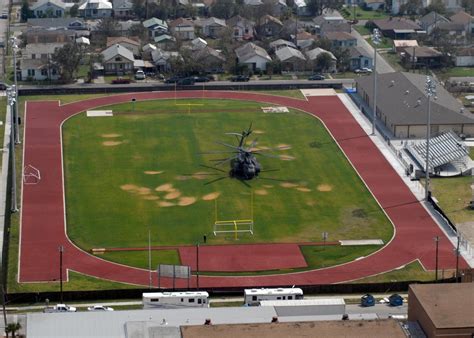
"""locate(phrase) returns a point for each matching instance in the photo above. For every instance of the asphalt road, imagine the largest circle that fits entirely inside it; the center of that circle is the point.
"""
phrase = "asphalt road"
(3, 36)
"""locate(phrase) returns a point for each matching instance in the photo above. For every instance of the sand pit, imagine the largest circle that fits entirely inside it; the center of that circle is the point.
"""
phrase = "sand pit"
(165, 204)
(110, 135)
(185, 201)
(143, 190)
(283, 146)
(111, 143)
(165, 187)
(287, 158)
(211, 196)
(151, 198)
(261, 192)
(288, 185)
(303, 189)
(172, 195)
(128, 187)
(152, 172)
(324, 187)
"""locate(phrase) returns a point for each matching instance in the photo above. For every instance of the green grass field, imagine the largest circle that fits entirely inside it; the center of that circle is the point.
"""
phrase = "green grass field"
(112, 199)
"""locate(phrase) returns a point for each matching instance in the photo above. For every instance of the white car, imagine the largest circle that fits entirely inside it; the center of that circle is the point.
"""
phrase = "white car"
(364, 70)
(140, 75)
(99, 308)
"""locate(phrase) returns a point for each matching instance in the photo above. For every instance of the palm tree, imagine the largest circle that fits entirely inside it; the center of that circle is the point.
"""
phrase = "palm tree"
(12, 327)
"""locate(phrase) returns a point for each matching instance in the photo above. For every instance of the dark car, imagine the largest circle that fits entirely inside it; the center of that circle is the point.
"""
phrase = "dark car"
(239, 78)
(395, 300)
(316, 77)
(201, 78)
(3, 86)
(172, 79)
(185, 81)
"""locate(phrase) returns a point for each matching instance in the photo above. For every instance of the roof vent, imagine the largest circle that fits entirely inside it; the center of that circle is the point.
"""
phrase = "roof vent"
(407, 92)
(392, 83)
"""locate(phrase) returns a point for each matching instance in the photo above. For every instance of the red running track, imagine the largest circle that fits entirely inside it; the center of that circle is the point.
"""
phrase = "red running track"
(43, 221)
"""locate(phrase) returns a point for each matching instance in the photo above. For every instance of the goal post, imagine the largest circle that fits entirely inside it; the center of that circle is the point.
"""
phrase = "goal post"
(233, 226)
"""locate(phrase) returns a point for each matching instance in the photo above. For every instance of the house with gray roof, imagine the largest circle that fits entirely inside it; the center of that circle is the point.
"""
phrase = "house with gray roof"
(291, 59)
(397, 28)
(242, 28)
(465, 19)
(313, 54)
(36, 61)
(269, 26)
(95, 9)
(359, 58)
(48, 9)
(118, 60)
(431, 21)
(280, 43)
(156, 27)
(254, 56)
(341, 39)
(123, 9)
(211, 27)
(402, 105)
(162, 59)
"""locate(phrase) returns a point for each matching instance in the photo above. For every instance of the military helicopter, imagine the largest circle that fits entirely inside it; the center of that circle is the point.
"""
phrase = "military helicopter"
(244, 165)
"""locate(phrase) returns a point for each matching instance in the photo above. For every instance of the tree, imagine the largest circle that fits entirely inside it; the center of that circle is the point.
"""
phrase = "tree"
(223, 9)
(343, 58)
(26, 12)
(107, 27)
(323, 43)
(138, 30)
(68, 59)
(436, 6)
(411, 7)
(74, 11)
(323, 62)
(317, 7)
(12, 328)
(468, 5)
(138, 7)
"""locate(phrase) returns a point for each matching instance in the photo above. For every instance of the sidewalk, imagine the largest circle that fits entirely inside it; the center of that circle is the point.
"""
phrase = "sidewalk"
(415, 186)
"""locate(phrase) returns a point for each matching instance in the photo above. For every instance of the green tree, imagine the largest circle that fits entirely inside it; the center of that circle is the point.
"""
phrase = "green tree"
(323, 62)
(68, 59)
(436, 6)
(343, 58)
(138, 30)
(26, 12)
(316, 7)
(223, 9)
(411, 7)
(12, 328)
(138, 7)
(468, 5)
(74, 11)
(107, 27)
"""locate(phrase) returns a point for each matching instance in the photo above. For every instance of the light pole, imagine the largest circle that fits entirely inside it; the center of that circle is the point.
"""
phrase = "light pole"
(61, 250)
(436, 239)
(457, 259)
(375, 41)
(197, 266)
(14, 49)
(430, 90)
(11, 103)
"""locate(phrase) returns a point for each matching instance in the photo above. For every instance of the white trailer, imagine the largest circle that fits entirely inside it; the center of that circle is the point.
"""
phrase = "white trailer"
(174, 300)
(307, 307)
(255, 296)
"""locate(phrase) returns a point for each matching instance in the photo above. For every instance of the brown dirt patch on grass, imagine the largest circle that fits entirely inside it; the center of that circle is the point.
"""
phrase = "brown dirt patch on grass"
(153, 172)
(303, 189)
(128, 187)
(324, 187)
(165, 187)
(287, 158)
(261, 192)
(143, 190)
(172, 195)
(268, 186)
(201, 175)
(288, 185)
(283, 146)
(211, 196)
(258, 132)
(183, 178)
(151, 197)
(165, 204)
(111, 143)
(311, 203)
(110, 135)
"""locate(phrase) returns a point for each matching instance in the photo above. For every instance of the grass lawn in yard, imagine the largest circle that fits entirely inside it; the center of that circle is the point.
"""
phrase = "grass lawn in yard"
(141, 169)
(446, 73)
(362, 14)
(362, 30)
(411, 272)
(394, 60)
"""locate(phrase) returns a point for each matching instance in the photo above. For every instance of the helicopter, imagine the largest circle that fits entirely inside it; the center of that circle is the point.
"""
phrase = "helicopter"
(244, 165)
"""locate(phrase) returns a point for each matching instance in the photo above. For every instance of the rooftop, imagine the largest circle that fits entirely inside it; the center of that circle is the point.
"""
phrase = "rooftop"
(462, 18)
(120, 39)
(447, 305)
(249, 50)
(115, 50)
(396, 23)
(287, 53)
(336, 35)
(422, 52)
(40, 3)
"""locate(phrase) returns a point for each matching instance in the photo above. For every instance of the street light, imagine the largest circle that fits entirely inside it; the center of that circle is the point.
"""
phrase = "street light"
(12, 102)
(13, 42)
(430, 90)
(436, 239)
(376, 41)
(61, 250)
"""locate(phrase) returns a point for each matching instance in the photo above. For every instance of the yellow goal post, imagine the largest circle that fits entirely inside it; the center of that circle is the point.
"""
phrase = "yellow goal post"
(234, 226)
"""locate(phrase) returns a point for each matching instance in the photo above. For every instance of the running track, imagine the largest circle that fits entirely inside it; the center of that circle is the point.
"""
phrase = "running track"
(43, 222)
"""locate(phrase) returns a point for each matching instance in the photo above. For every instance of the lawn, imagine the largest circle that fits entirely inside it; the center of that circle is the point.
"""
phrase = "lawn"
(115, 166)
(394, 60)
(362, 14)
(446, 73)
(362, 30)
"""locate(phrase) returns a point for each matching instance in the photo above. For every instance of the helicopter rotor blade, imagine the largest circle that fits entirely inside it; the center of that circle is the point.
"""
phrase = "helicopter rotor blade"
(218, 152)
(227, 145)
(268, 170)
(213, 168)
(216, 180)
(265, 155)
(245, 183)
(225, 161)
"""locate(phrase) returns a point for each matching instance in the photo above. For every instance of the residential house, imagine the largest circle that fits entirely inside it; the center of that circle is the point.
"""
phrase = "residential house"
(464, 57)
(305, 40)
(422, 56)
(291, 59)
(280, 43)
(182, 29)
(341, 39)
(301, 8)
(123, 9)
(401, 105)
(373, 4)
(57, 24)
(254, 56)
(456, 31)
(95, 9)
(36, 62)
(211, 27)
(242, 28)
(118, 60)
(147, 50)
(279, 7)
(198, 43)
(156, 27)
(211, 60)
(400, 45)
(431, 21)
(165, 42)
(313, 54)
(130, 43)
(48, 9)
(269, 26)
(163, 60)
(397, 28)
(359, 58)
(464, 19)
(397, 5)
(324, 27)
(123, 26)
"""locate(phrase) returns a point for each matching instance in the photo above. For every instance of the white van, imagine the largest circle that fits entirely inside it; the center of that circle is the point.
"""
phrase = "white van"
(140, 75)
(175, 300)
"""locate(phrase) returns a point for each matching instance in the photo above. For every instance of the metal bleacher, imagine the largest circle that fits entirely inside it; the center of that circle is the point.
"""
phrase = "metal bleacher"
(444, 148)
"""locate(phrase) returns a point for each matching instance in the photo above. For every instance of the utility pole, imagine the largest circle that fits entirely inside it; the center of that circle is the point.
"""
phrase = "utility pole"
(436, 239)
(430, 91)
(14, 50)
(61, 250)
(12, 102)
(457, 259)
(376, 42)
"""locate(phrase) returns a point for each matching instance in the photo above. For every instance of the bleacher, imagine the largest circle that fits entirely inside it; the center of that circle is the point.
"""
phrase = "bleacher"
(444, 148)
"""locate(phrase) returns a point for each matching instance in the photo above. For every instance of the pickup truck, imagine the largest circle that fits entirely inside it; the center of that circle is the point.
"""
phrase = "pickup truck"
(60, 308)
